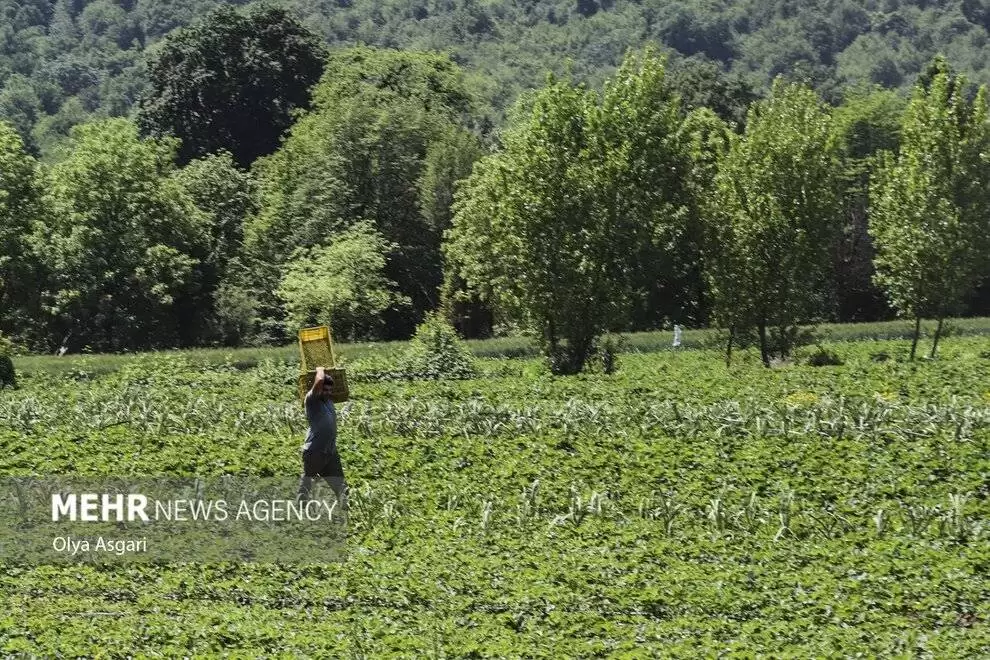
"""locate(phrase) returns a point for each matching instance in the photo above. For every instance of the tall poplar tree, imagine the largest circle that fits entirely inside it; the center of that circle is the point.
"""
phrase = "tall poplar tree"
(930, 205)
(774, 219)
(584, 215)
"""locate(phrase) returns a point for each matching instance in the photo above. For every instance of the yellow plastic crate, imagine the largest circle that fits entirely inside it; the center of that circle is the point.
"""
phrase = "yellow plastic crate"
(316, 348)
(338, 393)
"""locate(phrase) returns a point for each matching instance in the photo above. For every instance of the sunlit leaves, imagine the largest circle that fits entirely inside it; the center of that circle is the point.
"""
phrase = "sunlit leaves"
(341, 284)
(774, 217)
(585, 209)
(930, 205)
(122, 241)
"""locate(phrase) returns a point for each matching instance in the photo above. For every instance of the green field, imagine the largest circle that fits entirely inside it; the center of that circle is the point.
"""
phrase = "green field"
(675, 508)
(499, 347)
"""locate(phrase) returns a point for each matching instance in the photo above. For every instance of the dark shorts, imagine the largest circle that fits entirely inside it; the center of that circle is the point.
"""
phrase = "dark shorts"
(322, 464)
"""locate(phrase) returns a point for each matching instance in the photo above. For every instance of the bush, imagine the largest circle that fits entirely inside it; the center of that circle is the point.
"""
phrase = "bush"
(824, 358)
(607, 352)
(7, 375)
(437, 352)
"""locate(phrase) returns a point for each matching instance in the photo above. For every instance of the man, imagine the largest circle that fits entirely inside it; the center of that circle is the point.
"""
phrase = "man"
(319, 452)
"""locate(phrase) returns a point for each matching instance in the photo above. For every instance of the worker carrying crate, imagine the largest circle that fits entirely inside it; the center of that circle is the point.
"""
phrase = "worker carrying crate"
(321, 384)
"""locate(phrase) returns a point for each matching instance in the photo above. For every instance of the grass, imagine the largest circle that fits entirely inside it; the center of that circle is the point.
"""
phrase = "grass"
(500, 347)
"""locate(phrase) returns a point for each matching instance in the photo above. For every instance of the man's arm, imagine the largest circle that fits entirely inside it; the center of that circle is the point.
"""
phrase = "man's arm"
(317, 388)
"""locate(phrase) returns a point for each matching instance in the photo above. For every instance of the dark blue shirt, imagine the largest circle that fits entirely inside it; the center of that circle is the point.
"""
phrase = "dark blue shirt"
(322, 416)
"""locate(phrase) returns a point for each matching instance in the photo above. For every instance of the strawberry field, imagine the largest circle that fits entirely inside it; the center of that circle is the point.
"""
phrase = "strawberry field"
(675, 508)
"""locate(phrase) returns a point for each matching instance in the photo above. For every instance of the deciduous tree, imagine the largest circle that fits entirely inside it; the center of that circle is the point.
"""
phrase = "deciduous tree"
(774, 219)
(341, 284)
(385, 142)
(584, 213)
(525, 235)
(21, 205)
(930, 205)
(226, 194)
(123, 242)
(231, 82)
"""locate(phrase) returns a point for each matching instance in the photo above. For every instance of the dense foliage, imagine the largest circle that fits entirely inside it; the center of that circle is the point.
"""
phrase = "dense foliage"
(124, 243)
(64, 61)
(677, 508)
(867, 122)
(930, 218)
(597, 203)
(342, 285)
(435, 351)
(588, 201)
(171, 176)
(773, 216)
(227, 195)
(21, 205)
(230, 82)
(385, 143)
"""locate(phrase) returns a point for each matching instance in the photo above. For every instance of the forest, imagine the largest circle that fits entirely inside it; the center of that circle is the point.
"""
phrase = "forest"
(69, 61)
(196, 173)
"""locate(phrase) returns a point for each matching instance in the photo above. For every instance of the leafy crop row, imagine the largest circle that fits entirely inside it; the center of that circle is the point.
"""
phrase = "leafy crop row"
(672, 509)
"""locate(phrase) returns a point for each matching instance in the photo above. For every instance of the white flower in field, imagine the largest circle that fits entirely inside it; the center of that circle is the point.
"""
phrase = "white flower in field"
(677, 336)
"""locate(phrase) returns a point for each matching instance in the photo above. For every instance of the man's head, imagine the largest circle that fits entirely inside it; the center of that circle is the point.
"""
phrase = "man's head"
(327, 387)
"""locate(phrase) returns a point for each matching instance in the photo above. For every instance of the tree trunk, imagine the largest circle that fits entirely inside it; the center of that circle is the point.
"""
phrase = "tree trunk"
(728, 346)
(558, 357)
(580, 354)
(938, 333)
(764, 351)
(785, 342)
(917, 331)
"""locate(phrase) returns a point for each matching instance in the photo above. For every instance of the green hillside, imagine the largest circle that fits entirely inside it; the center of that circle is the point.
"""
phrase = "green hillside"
(67, 61)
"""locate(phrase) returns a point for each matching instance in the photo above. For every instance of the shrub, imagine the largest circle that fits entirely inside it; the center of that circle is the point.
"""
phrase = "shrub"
(781, 342)
(607, 351)
(824, 358)
(437, 352)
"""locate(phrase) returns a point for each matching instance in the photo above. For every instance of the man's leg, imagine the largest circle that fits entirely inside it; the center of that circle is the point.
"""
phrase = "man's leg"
(312, 464)
(333, 472)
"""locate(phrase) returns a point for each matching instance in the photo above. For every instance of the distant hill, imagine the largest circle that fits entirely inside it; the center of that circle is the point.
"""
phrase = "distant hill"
(63, 62)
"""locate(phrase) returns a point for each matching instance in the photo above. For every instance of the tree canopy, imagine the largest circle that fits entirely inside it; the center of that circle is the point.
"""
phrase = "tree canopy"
(385, 147)
(585, 210)
(63, 62)
(342, 284)
(21, 205)
(774, 219)
(123, 241)
(930, 215)
(230, 82)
